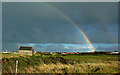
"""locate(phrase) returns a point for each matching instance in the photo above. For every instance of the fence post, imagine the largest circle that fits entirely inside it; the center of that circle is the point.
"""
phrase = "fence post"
(16, 67)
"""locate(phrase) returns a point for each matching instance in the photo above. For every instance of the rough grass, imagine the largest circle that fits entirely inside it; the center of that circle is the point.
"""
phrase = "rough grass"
(12, 55)
(58, 63)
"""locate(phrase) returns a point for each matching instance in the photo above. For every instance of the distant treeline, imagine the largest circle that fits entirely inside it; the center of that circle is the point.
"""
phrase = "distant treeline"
(78, 53)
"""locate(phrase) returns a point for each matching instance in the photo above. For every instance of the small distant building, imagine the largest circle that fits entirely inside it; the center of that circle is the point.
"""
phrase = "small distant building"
(115, 52)
(6, 51)
(26, 50)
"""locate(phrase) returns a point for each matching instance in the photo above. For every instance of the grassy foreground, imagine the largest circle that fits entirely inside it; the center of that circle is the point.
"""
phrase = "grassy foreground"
(61, 63)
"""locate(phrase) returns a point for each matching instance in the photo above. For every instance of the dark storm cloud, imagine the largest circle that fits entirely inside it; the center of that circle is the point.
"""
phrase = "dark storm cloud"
(38, 23)
(90, 12)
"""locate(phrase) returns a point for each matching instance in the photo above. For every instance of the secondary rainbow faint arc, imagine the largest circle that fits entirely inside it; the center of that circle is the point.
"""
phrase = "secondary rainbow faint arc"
(70, 20)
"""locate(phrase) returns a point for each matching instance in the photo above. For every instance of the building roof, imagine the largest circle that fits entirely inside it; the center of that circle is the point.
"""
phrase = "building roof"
(25, 48)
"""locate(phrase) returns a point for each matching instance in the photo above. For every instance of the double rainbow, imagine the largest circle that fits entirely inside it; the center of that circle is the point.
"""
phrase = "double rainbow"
(71, 21)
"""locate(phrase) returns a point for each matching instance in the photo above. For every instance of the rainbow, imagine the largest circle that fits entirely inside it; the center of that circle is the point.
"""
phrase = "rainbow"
(71, 21)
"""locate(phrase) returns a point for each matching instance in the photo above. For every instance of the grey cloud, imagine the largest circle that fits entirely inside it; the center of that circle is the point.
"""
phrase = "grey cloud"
(38, 23)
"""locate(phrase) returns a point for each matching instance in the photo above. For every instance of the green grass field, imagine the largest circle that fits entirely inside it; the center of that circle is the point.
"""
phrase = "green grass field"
(60, 63)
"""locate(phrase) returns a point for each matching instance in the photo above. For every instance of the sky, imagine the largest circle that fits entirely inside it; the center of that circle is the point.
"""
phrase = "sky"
(37, 22)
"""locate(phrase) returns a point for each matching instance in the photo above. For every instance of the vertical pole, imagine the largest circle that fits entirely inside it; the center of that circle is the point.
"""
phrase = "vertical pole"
(16, 67)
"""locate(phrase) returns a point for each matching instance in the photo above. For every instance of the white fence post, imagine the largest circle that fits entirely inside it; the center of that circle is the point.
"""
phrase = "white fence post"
(16, 67)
